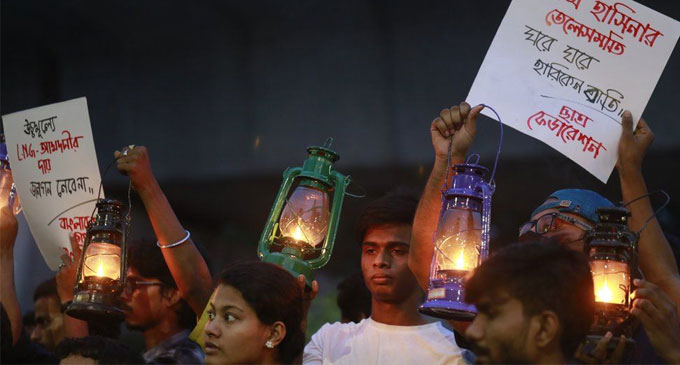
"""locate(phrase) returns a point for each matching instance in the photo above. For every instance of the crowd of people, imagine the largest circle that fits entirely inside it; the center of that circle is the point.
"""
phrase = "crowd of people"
(534, 297)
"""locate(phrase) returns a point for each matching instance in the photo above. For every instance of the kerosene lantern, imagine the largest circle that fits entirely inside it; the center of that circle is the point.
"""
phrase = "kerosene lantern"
(461, 241)
(8, 191)
(302, 224)
(102, 268)
(612, 252)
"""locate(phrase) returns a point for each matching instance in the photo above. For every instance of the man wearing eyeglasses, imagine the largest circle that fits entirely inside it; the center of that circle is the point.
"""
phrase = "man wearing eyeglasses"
(153, 305)
(565, 216)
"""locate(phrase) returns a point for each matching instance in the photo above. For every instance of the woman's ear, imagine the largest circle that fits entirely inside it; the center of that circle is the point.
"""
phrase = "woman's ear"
(276, 335)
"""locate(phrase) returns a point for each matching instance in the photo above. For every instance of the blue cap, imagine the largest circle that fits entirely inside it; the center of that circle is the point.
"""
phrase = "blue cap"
(581, 202)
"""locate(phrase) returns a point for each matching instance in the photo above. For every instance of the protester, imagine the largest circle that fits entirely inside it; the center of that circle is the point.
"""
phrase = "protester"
(535, 304)
(49, 328)
(395, 333)
(255, 316)
(16, 346)
(186, 264)
(153, 305)
(96, 350)
(354, 299)
(576, 208)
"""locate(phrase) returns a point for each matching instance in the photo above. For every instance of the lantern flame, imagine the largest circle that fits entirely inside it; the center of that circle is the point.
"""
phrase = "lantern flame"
(298, 235)
(100, 270)
(460, 262)
(604, 294)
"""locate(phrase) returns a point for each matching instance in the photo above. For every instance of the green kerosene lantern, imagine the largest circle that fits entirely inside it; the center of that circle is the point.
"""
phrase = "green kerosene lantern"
(302, 224)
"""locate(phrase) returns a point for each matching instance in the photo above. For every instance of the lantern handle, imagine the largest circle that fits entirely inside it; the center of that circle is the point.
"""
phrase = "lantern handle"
(500, 141)
(101, 185)
(498, 153)
(468, 160)
(363, 193)
(656, 212)
(328, 142)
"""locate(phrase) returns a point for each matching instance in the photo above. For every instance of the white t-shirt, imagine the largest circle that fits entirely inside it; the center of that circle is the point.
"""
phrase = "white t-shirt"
(370, 342)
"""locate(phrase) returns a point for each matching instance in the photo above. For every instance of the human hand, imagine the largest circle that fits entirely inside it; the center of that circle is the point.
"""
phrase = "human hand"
(633, 144)
(600, 354)
(659, 317)
(308, 295)
(458, 123)
(66, 276)
(8, 230)
(134, 162)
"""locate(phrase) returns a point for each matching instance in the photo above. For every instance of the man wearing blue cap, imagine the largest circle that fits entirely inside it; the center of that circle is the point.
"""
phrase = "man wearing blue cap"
(564, 217)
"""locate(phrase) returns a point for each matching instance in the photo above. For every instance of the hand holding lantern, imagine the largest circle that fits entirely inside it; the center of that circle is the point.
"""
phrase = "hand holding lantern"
(461, 239)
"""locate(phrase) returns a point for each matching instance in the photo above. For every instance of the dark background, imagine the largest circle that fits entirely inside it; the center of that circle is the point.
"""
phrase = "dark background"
(227, 94)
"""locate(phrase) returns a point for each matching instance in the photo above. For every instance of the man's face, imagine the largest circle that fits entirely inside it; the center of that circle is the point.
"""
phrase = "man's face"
(562, 231)
(500, 332)
(384, 263)
(143, 305)
(49, 328)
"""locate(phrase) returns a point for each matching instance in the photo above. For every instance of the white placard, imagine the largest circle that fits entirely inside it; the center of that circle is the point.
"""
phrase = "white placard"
(55, 169)
(563, 71)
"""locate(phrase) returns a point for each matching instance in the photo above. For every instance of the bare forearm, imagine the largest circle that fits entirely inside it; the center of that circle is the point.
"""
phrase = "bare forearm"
(185, 262)
(425, 224)
(8, 294)
(655, 255)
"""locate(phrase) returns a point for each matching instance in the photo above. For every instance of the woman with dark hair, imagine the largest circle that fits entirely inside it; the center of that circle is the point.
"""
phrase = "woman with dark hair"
(255, 316)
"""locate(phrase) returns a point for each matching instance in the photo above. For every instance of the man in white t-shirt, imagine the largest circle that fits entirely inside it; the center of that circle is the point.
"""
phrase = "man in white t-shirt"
(395, 333)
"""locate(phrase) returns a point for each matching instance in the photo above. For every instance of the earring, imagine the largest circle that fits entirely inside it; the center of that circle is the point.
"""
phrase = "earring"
(269, 345)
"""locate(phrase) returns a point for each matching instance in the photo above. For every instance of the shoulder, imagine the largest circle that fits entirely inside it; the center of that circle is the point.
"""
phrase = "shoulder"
(182, 352)
(338, 327)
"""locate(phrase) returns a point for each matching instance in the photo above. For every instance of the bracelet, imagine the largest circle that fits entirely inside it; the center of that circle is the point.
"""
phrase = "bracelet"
(176, 243)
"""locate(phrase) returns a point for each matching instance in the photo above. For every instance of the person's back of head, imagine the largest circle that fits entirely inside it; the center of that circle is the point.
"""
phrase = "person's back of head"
(100, 349)
(354, 299)
(542, 277)
(147, 260)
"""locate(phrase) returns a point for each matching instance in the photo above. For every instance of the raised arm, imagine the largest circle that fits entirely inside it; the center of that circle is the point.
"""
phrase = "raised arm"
(8, 293)
(655, 255)
(66, 278)
(185, 262)
(459, 123)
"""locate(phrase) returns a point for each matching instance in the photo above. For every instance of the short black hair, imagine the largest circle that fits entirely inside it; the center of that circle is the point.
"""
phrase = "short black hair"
(47, 288)
(274, 295)
(146, 258)
(103, 350)
(542, 276)
(394, 208)
(354, 298)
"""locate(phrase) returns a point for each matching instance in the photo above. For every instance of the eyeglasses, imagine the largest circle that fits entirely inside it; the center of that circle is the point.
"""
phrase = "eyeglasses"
(551, 222)
(132, 284)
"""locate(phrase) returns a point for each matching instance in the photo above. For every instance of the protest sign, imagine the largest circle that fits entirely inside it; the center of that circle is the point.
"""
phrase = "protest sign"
(56, 173)
(563, 71)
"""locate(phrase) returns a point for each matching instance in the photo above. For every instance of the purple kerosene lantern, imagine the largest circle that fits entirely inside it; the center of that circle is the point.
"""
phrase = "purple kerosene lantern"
(461, 241)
